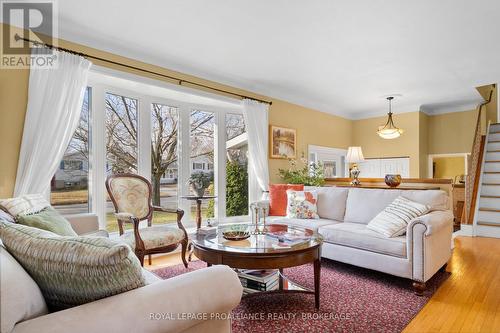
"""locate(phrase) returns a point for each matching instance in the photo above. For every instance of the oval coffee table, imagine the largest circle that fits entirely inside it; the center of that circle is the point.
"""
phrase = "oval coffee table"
(264, 252)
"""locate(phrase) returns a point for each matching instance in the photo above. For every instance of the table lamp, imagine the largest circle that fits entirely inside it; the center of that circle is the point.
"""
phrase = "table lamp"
(354, 155)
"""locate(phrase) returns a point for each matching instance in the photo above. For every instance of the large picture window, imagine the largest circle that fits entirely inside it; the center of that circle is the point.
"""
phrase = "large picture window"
(163, 136)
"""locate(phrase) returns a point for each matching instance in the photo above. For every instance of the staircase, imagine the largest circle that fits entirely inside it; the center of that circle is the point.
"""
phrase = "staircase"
(488, 213)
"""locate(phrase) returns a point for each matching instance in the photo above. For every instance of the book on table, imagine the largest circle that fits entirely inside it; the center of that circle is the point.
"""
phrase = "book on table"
(288, 238)
(259, 280)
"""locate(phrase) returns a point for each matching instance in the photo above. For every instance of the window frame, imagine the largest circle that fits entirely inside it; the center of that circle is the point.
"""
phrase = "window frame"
(97, 156)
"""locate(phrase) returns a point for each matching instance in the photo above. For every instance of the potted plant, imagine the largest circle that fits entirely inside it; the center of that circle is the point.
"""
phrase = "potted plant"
(199, 182)
(311, 174)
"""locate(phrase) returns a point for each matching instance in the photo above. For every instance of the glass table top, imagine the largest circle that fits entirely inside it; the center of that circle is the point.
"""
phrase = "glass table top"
(276, 238)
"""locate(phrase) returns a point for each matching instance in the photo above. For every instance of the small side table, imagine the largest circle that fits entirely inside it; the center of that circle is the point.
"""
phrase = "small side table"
(198, 205)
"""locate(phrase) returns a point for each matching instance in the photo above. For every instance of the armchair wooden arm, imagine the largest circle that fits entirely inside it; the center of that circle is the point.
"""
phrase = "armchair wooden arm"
(179, 212)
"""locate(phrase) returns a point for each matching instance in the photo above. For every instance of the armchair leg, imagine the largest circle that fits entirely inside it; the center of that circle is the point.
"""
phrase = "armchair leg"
(149, 260)
(183, 253)
(443, 268)
(419, 287)
(140, 255)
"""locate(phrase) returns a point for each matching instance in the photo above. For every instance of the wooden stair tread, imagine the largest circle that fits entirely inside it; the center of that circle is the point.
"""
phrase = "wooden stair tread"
(489, 224)
(493, 151)
(490, 196)
(489, 210)
(491, 161)
(494, 141)
(491, 184)
(491, 172)
(495, 132)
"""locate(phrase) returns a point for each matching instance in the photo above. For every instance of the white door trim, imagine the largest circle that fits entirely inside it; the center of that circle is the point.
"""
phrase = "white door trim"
(431, 157)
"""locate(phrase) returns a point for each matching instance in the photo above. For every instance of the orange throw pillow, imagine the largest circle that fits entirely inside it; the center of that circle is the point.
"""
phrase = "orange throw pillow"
(278, 198)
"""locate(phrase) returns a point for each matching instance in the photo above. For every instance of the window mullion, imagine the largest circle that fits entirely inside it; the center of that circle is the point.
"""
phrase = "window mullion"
(183, 162)
(220, 165)
(98, 157)
(144, 137)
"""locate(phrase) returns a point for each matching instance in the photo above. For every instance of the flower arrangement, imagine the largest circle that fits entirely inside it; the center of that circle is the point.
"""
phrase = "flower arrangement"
(311, 174)
(199, 181)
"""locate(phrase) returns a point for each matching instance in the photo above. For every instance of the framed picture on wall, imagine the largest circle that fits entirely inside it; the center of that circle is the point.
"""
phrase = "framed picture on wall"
(283, 142)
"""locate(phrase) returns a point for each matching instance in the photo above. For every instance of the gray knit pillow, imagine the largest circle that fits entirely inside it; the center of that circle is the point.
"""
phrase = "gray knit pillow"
(72, 270)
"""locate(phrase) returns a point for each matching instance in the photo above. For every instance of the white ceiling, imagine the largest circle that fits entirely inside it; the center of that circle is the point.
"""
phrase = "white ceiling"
(340, 57)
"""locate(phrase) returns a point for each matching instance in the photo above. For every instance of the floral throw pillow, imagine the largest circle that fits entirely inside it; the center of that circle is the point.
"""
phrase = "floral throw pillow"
(302, 204)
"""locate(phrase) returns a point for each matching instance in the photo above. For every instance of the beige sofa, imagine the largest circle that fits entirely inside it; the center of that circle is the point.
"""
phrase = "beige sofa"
(345, 212)
(191, 302)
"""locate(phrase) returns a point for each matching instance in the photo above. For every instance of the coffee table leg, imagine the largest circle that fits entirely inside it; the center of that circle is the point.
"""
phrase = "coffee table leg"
(317, 273)
(281, 279)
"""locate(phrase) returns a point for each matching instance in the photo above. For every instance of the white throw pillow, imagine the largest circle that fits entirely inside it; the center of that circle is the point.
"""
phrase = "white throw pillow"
(302, 204)
(24, 204)
(393, 220)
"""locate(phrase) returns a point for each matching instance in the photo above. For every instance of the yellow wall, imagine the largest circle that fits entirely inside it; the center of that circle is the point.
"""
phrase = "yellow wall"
(313, 127)
(13, 98)
(451, 132)
(364, 135)
(448, 167)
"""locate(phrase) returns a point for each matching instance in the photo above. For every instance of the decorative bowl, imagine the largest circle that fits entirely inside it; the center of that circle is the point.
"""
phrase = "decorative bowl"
(393, 180)
(235, 235)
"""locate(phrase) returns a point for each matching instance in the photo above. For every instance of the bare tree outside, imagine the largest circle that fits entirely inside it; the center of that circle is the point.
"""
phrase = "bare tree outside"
(121, 143)
(121, 134)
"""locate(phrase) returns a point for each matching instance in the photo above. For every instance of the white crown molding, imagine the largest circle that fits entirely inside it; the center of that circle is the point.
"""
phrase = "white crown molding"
(451, 107)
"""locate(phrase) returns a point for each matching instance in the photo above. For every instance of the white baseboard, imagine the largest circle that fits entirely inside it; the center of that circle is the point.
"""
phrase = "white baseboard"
(465, 230)
(487, 231)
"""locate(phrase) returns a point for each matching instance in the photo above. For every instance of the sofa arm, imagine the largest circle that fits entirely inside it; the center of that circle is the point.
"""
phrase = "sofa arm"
(433, 221)
(172, 305)
(83, 223)
(429, 243)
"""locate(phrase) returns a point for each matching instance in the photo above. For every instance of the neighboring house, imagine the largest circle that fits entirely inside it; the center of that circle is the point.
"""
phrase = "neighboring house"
(73, 169)
(72, 172)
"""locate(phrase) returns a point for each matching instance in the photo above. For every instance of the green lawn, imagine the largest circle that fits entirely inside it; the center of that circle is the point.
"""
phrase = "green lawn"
(158, 218)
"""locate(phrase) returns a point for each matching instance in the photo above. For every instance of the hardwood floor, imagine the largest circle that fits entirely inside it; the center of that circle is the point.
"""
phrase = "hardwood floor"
(468, 301)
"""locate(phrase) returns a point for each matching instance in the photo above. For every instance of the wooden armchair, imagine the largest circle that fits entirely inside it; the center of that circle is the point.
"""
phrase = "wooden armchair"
(131, 195)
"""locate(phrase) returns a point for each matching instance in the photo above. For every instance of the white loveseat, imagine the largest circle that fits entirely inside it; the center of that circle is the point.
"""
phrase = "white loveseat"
(345, 212)
(187, 303)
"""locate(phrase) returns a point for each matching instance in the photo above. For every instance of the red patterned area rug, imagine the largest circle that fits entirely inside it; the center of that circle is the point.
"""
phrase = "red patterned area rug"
(353, 299)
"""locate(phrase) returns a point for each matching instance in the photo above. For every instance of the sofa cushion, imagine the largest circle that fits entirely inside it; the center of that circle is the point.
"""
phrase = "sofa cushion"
(48, 219)
(24, 204)
(394, 219)
(363, 205)
(356, 235)
(435, 199)
(278, 198)
(331, 202)
(302, 223)
(302, 204)
(72, 270)
(4, 216)
(21, 299)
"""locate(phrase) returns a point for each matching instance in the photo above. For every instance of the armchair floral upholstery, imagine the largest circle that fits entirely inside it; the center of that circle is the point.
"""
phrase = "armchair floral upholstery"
(131, 195)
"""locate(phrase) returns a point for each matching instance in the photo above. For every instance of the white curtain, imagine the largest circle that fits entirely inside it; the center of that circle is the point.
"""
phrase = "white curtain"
(256, 121)
(55, 98)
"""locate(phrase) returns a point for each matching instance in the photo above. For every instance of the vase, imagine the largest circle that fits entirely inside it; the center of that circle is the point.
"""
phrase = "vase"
(197, 191)
(393, 180)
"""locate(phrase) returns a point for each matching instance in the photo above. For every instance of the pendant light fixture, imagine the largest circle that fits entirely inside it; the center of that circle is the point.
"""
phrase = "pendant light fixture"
(389, 130)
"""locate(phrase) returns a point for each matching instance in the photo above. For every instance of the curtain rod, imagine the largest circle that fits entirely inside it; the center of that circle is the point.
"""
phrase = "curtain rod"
(179, 81)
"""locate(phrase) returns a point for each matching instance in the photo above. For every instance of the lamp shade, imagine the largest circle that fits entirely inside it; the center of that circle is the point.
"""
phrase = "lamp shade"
(354, 155)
